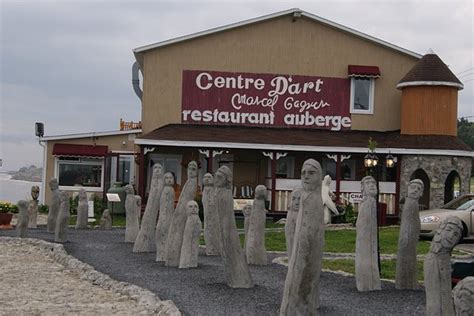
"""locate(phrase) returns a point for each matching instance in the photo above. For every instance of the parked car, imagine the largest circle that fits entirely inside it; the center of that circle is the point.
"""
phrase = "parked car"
(462, 207)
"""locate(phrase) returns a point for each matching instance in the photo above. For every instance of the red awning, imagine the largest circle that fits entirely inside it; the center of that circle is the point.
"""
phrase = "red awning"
(79, 150)
(363, 71)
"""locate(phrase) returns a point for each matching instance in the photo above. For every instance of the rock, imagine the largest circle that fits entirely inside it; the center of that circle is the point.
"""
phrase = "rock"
(291, 217)
(165, 216)
(192, 231)
(33, 207)
(255, 246)
(22, 221)
(82, 210)
(54, 207)
(60, 234)
(211, 218)
(133, 204)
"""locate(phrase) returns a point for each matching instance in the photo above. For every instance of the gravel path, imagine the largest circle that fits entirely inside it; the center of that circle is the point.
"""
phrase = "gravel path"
(202, 291)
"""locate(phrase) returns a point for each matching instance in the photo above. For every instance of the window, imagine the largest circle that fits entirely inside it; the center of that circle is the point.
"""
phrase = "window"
(285, 167)
(362, 95)
(347, 169)
(74, 172)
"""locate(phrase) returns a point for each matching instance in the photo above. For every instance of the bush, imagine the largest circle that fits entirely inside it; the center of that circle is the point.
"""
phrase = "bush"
(43, 208)
(350, 216)
(7, 207)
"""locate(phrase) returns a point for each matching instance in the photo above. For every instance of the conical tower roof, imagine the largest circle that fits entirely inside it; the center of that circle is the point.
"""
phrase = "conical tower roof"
(430, 71)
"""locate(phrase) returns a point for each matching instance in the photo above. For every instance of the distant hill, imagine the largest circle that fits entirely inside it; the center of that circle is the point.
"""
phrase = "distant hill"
(31, 173)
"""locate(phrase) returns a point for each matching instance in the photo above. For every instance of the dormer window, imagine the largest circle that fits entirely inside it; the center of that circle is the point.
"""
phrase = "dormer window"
(362, 88)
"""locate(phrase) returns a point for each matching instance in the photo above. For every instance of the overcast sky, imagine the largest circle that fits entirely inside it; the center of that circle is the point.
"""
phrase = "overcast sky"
(68, 63)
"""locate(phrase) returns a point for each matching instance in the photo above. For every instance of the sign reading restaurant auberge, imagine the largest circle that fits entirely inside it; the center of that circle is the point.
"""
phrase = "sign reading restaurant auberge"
(228, 98)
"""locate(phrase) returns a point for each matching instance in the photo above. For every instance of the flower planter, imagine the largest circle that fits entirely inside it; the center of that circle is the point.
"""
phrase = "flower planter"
(5, 219)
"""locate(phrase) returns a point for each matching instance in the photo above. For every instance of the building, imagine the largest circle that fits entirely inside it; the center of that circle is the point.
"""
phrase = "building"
(263, 95)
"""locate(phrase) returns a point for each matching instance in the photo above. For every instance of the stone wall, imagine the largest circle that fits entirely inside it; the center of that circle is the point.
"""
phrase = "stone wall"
(437, 168)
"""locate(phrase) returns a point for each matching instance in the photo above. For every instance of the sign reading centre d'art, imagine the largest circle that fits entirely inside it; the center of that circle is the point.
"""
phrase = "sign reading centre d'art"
(228, 98)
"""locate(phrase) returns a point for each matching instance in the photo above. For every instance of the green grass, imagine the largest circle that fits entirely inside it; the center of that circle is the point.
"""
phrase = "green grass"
(117, 220)
(268, 224)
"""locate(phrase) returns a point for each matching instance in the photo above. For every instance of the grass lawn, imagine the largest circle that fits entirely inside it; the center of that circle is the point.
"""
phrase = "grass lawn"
(117, 220)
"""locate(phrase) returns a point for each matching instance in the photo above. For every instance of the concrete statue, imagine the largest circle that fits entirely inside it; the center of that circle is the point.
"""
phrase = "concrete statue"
(82, 210)
(463, 295)
(255, 246)
(437, 267)
(105, 220)
(54, 206)
(329, 205)
(146, 238)
(164, 218)
(406, 271)
(211, 219)
(33, 207)
(237, 270)
(192, 231)
(178, 221)
(62, 222)
(133, 204)
(366, 261)
(246, 210)
(291, 216)
(22, 219)
(301, 292)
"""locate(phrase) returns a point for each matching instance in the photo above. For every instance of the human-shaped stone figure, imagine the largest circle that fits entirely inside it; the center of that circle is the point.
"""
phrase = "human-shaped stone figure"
(133, 204)
(33, 207)
(211, 217)
(62, 222)
(22, 219)
(291, 217)
(255, 246)
(406, 271)
(146, 238)
(165, 216)
(329, 205)
(192, 231)
(82, 210)
(54, 206)
(437, 267)
(247, 211)
(236, 268)
(463, 295)
(366, 262)
(178, 221)
(301, 292)
(105, 220)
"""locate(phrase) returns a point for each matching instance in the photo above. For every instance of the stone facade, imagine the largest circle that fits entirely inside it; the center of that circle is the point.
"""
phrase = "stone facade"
(437, 169)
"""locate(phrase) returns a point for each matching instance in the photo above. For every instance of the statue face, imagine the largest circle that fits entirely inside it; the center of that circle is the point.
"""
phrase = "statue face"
(169, 179)
(192, 169)
(247, 210)
(208, 179)
(128, 189)
(310, 177)
(295, 200)
(157, 170)
(370, 187)
(35, 190)
(450, 236)
(82, 194)
(53, 184)
(192, 208)
(260, 192)
(220, 179)
(415, 191)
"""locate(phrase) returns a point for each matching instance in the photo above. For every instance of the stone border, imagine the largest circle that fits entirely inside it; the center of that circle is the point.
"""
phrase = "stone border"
(84, 271)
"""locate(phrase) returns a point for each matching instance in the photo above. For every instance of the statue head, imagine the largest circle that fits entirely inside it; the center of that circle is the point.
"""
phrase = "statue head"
(53, 184)
(22, 205)
(463, 295)
(106, 213)
(260, 192)
(295, 199)
(82, 194)
(247, 210)
(192, 169)
(169, 179)
(208, 180)
(138, 201)
(35, 190)
(192, 208)
(129, 189)
(311, 175)
(415, 189)
(368, 187)
(223, 178)
(447, 236)
(157, 171)
(64, 196)
(327, 180)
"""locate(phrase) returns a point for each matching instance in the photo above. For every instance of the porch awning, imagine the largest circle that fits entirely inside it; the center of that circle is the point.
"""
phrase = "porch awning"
(363, 71)
(73, 150)
(314, 140)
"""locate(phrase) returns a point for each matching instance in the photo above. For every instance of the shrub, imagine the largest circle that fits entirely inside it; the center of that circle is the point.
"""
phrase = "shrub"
(7, 207)
(43, 208)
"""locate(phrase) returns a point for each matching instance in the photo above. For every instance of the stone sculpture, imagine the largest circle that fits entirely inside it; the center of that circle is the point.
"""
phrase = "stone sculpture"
(54, 206)
(329, 205)
(33, 207)
(366, 261)
(192, 231)
(82, 210)
(146, 238)
(406, 272)
(133, 204)
(246, 210)
(62, 222)
(22, 219)
(437, 267)
(291, 217)
(178, 221)
(255, 246)
(237, 270)
(165, 216)
(211, 217)
(463, 295)
(301, 292)
(105, 220)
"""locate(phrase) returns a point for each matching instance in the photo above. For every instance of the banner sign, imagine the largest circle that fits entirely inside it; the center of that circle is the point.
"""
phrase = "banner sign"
(266, 100)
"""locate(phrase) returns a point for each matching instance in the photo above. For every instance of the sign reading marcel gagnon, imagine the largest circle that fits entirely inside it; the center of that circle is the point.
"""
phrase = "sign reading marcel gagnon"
(228, 98)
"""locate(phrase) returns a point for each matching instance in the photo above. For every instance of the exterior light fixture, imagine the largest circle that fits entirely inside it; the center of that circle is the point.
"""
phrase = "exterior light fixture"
(390, 161)
(368, 161)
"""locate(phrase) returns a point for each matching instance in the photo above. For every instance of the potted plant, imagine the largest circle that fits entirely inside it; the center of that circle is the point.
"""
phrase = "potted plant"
(6, 213)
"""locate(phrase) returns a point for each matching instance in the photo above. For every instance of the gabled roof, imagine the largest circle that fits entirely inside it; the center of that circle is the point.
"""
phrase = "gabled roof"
(297, 13)
(432, 71)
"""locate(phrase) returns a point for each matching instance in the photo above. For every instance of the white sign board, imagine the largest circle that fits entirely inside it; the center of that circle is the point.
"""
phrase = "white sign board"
(355, 198)
(113, 197)
(90, 212)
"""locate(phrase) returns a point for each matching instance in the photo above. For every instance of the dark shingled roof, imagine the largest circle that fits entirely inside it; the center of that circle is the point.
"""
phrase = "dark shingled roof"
(302, 137)
(430, 68)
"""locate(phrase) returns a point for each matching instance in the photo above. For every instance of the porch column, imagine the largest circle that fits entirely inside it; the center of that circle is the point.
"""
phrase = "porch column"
(141, 173)
(273, 156)
(338, 176)
(210, 154)
(397, 185)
